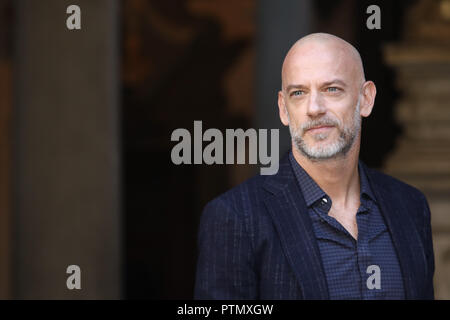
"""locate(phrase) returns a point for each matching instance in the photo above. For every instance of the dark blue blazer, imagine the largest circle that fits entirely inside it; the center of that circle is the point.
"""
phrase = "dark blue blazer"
(256, 241)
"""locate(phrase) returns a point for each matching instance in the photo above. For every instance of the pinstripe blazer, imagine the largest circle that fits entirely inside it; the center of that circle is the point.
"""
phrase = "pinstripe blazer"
(256, 241)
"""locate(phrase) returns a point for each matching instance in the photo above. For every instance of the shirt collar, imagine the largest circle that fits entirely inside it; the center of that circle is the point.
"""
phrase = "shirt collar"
(364, 183)
(311, 190)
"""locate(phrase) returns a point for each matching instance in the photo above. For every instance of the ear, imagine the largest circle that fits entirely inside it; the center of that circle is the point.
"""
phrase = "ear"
(282, 108)
(368, 98)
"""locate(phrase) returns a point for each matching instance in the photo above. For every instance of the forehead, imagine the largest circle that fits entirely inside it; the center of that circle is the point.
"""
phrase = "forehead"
(318, 63)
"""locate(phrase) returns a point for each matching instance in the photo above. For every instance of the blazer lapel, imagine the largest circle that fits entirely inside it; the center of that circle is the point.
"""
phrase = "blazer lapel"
(399, 225)
(288, 210)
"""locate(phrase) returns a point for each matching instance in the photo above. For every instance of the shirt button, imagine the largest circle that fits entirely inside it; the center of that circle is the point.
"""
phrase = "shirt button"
(325, 200)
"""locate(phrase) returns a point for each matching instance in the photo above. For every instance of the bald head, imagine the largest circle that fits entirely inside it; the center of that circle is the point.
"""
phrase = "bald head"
(323, 97)
(334, 55)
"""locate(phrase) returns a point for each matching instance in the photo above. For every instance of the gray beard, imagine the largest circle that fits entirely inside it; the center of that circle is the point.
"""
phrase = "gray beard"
(334, 149)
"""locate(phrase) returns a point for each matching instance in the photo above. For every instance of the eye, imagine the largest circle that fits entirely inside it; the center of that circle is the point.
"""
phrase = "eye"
(297, 93)
(333, 89)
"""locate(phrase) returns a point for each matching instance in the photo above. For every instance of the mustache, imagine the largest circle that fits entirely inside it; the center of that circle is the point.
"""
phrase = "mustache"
(324, 121)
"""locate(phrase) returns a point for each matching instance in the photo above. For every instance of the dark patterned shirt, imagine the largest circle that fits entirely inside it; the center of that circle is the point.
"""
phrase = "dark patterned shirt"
(344, 259)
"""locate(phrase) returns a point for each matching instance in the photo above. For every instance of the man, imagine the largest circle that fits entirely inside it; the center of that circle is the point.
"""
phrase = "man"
(325, 226)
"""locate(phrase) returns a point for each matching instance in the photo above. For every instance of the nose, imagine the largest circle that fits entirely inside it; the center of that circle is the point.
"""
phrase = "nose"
(315, 107)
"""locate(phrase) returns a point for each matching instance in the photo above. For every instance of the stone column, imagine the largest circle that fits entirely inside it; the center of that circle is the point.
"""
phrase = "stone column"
(66, 206)
(5, 149)
(422, 156)
(279, 26)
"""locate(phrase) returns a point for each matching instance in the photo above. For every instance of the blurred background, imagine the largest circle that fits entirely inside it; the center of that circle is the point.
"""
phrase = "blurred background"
(86, 117)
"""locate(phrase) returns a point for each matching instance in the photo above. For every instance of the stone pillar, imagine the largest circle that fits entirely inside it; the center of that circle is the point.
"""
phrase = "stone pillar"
(279, 26)
(66, 207)
(422, 155)
(5, 149)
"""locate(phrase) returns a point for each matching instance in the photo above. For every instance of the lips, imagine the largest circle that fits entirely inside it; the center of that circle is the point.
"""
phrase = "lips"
(320, 128)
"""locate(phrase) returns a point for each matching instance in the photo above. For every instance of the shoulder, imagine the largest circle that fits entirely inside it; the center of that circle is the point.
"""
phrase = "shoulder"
(234, 213)
(394, 187)
(240, 197)
(246, 200)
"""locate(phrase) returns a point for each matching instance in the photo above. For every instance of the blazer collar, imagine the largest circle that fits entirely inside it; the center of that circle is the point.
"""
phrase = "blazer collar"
(288, 211)
(399, 224)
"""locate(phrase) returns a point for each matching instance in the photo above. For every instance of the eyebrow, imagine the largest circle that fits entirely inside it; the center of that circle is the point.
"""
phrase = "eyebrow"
(335, 81)
(325, 84)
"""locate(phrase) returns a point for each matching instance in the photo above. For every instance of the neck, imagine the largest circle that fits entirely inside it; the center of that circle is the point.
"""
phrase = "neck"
(338, 177)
